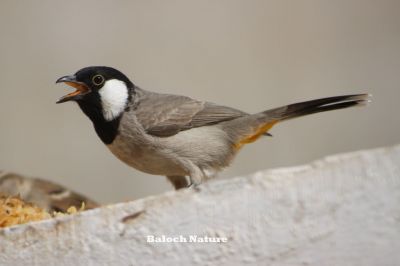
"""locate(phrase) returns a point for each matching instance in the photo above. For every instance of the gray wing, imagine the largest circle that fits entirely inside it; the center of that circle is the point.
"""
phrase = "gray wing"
(165, 115)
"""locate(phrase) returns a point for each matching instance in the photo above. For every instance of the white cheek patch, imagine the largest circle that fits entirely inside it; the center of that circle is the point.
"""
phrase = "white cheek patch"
(114, 97)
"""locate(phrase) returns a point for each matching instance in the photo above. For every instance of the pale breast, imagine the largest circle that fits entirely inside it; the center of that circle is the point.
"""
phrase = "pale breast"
(145, 157)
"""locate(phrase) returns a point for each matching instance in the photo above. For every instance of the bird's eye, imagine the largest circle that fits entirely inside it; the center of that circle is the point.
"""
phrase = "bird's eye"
(98, 80)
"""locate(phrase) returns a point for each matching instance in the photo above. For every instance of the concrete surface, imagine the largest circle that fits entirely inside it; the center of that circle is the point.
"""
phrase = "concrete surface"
(341, 210)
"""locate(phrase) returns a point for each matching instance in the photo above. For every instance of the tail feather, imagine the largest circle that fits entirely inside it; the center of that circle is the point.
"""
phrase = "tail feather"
(248, 129)
(316, 106)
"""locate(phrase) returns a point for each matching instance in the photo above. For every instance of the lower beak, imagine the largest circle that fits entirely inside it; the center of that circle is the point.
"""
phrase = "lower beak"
(81, 89)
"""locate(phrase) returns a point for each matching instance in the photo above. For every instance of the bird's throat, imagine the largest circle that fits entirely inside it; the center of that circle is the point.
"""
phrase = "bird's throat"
(105, 129)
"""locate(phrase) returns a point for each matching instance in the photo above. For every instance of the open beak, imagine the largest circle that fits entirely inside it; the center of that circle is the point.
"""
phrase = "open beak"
(81, 89)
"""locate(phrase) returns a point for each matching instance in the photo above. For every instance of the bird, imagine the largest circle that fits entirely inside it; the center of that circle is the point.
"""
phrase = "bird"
(186, 140)
(43, 193)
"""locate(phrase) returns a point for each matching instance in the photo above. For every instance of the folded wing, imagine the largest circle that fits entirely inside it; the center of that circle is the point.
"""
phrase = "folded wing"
(165, 115)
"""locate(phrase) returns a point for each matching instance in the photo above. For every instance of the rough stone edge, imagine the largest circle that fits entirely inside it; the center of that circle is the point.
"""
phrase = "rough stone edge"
(157, 201)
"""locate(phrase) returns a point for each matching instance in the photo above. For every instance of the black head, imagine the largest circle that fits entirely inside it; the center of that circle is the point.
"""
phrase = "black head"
(90, 80)
(103, 94)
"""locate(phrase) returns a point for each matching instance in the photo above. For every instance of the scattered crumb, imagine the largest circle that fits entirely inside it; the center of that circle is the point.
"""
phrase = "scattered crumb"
(70, 210)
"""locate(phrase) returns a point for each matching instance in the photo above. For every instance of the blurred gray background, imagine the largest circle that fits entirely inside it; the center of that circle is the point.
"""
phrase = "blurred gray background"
(252, 55)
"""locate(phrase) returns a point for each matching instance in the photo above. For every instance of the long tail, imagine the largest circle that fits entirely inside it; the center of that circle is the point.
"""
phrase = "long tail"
(316, 106)
(258, 124)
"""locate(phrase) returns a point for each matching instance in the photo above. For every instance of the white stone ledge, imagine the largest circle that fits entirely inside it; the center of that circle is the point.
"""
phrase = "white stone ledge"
(342, 210)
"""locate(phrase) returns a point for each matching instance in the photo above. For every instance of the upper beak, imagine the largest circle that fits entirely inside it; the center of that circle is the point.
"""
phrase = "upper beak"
(81, 88)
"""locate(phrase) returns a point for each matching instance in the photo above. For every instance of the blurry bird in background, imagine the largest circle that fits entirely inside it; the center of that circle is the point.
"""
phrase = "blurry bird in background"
(45, 194)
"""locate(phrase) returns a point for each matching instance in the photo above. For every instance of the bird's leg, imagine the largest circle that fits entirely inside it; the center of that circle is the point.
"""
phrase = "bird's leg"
(196, 177)
(178, 181)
